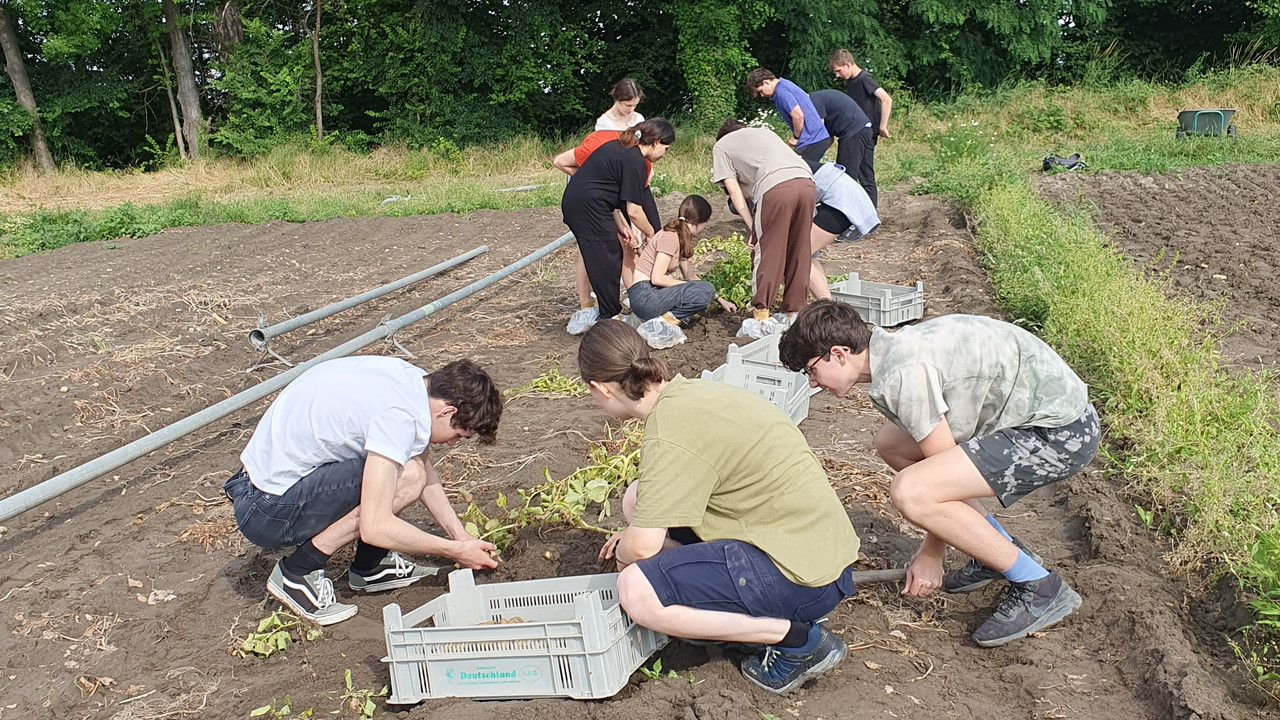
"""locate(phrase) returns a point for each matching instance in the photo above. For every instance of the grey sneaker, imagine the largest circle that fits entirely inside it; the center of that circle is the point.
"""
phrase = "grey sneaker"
(310, 596)
(1026, 608)
(781, 670)
(391, 573)
(975, 575)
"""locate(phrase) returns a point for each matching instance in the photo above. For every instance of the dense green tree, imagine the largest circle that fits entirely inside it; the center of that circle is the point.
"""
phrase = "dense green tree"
(123, 82)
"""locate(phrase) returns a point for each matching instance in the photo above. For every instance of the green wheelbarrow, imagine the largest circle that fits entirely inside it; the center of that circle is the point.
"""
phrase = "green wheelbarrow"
(1215, 123)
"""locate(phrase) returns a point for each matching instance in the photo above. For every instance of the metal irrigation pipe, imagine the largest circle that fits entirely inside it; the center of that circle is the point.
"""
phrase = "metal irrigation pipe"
(31, 497)
(260, 336)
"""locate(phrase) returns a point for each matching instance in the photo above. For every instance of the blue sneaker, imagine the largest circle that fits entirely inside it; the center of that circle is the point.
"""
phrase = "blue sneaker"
(781, 670)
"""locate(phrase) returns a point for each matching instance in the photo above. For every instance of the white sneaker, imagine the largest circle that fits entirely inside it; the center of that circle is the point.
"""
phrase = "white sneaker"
(661, 334)
(582, 320)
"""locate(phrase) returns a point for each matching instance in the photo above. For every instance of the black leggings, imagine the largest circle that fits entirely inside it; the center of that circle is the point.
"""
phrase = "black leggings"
(603, 260)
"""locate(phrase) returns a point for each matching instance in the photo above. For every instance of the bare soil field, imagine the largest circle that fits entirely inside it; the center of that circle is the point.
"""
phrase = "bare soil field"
(1214, 232)
(121, 599)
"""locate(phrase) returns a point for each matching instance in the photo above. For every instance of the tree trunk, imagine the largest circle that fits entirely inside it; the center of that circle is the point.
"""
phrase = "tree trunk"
(17, 71)
(315, 57)
(188, 94)
(173, 104)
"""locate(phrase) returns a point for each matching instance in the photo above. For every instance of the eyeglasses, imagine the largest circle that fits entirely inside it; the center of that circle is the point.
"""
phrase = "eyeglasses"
(808, 369)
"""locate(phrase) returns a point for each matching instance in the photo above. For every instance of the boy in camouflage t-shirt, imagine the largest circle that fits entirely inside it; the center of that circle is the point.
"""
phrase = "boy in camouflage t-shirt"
(976, 408)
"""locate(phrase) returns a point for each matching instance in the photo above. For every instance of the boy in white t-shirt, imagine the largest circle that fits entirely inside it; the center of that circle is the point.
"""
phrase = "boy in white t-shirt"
(338, 455)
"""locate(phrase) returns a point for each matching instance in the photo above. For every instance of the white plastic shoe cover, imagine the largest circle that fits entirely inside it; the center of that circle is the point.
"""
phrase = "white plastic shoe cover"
(660, 334)
(582, 320)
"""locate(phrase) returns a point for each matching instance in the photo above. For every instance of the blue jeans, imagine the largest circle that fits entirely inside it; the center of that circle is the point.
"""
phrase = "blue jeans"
(683, 300)
(314, 503)
(737, 577)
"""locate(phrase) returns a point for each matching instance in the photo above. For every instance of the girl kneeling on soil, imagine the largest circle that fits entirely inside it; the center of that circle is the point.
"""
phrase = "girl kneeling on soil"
(734, 535)
(613, 177)
(657, 297)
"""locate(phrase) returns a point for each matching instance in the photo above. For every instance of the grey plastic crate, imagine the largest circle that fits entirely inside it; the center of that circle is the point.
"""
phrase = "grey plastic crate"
(574, 641)
(880, 303)
(789, 391)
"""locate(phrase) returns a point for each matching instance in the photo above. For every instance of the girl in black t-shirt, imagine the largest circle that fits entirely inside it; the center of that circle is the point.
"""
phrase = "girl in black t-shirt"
(612, 178)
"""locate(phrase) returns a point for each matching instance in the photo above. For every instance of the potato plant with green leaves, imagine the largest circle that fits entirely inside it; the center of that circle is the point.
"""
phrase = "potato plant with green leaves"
(563, 502)
(731, 275)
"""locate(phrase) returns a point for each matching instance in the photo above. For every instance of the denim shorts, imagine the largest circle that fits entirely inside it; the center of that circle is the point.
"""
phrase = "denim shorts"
(737, 577)
(1017, 461)
(314, 503)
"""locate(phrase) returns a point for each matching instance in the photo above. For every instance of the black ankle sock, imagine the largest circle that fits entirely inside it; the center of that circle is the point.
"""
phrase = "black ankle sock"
(304, 560)
(367, 557)
(797, 636)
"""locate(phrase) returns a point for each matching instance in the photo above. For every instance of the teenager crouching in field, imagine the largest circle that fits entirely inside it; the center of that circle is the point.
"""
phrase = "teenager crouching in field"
(336, 458)
(734, 533)
(976, 408)
(663, 302)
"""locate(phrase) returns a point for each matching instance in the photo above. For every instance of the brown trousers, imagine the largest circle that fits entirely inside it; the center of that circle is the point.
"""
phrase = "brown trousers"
(786, 216)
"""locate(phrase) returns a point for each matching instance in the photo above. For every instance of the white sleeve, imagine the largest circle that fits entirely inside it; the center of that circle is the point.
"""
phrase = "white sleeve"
(602, 123)
(391, 435)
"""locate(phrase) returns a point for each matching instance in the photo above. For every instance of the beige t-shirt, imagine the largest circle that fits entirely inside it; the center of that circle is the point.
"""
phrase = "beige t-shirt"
(727, 463)
(664, 241)
(758, 159)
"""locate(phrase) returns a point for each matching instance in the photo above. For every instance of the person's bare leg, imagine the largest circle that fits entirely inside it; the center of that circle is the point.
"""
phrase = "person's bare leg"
(897, 448)
(935, 493)
(347, 529)
(818, 285)
(640, 601)
(629, 507)
(582, 284)
(628, 265)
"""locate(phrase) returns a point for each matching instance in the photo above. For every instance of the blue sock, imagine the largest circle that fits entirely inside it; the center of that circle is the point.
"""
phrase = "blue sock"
(1025, 569)
(993, 522)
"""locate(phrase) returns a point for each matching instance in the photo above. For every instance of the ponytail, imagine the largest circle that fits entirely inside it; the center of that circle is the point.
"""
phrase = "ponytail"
(615, 352)
(650, 132)
(694, 209)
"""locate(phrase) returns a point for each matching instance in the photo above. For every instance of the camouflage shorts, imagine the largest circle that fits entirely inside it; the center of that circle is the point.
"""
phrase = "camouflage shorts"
(1019, 460)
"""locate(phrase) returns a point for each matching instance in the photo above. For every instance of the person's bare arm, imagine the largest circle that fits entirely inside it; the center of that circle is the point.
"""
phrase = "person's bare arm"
(437, 503)
(639, 219)
(640, 543)
(740, 205)
(797, 125)
(886, 107)
(661, 266)
(379, 525)
(565, 162)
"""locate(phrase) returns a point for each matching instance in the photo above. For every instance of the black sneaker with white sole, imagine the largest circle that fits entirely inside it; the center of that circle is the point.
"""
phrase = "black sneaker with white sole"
(975, 575)
(391, 572)
(1028, 607)
(310, 596)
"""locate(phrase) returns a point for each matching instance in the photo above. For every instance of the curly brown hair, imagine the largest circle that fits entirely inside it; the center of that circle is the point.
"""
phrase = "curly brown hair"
(467, 387)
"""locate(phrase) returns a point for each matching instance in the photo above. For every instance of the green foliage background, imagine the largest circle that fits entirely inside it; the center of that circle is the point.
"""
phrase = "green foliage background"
(444, 74)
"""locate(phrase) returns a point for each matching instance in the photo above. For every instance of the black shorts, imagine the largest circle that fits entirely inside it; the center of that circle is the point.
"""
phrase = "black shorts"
(1019, 460)
(736, 577)
(830, 219)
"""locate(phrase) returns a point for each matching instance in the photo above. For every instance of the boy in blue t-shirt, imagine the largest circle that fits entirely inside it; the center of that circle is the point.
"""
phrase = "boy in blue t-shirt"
(808, 134)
